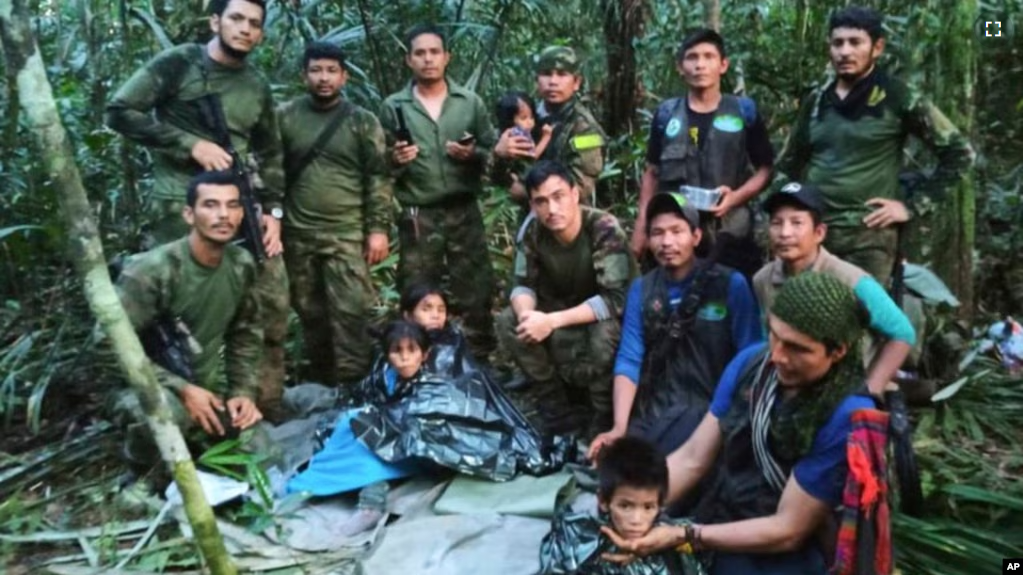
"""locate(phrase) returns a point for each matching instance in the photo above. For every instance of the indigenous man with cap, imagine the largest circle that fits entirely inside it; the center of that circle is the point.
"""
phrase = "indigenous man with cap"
(572, 270)
(708, 139)
(157, 108)
(577, 141)
(848, 141)
(777, 434)
(337, 217)
(684, 322)
(797, 231)
(438, 177)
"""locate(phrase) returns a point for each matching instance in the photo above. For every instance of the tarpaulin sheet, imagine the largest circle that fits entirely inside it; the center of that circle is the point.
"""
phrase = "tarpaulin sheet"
(466, 424)
(523, 496)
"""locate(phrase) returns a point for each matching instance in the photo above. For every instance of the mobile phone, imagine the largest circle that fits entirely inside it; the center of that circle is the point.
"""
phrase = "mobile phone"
(466, 140)
(402, 134)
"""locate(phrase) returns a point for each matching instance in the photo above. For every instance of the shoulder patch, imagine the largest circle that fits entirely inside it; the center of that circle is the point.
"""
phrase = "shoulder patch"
(586, 142)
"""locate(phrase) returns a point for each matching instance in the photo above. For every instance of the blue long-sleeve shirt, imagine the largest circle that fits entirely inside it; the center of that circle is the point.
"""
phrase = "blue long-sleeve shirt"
(741, 308)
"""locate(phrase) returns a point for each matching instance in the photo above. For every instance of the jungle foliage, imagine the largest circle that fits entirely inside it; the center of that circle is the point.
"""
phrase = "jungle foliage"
(54, 370)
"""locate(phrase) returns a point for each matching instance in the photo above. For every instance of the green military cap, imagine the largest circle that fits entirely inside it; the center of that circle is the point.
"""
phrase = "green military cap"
(558, 58)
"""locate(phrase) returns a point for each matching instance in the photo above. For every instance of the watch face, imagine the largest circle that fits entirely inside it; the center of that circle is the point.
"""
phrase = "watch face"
(277, 213)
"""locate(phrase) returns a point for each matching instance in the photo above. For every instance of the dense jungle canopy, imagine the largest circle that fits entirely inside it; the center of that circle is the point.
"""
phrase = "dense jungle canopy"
(963, 54)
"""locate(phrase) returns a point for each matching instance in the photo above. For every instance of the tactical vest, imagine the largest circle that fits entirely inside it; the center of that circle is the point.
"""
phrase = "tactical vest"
(686, 348)
(723, 160)
(740, 490)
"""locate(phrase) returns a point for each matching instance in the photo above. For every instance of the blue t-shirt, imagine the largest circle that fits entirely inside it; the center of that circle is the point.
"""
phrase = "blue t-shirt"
(740, 305)
(822, 471)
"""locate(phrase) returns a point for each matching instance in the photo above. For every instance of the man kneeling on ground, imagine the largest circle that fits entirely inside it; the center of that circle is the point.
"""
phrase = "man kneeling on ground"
(205, 283)
(572, 270)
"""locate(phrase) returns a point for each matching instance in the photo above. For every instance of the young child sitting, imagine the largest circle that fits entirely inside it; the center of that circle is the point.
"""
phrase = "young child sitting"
(632, 484)
(517, 111)
(424, 304)
(345, 463)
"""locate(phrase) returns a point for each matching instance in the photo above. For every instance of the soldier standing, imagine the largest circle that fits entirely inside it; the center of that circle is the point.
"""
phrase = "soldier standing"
(440, 139)
(337, 215)
(848, 141)
(577, 140)
(158, 108)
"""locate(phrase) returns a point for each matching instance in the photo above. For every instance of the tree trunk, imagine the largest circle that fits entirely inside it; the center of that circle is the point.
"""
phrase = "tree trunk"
(713, 14)
(623, 21)
(953, 248)
(86, 252)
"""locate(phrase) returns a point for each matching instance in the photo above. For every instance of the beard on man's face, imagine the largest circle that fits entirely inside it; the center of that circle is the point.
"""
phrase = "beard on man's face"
(231, 51)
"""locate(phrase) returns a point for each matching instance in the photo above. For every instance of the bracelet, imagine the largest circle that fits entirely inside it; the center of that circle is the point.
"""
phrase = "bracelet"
(687, 545)
(691, 540)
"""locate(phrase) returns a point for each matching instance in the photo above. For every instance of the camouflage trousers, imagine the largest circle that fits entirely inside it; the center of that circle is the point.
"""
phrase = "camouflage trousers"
(333, 296)
(573, 366)
(164, 224)
(872, 249)
(450, 239)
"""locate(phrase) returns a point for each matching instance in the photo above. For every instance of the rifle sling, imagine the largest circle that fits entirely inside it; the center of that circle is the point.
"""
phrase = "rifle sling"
(345, 110)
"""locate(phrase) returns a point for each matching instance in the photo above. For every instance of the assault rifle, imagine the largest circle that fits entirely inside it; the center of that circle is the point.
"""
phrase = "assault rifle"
(212, 113)
(169, 343)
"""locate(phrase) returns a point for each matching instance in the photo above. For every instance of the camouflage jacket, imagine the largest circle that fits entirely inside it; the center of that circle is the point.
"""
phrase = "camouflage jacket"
(157, 108)
(577, 142)
(346, 188)
(596, 268)
(216, 304)
(855, 159)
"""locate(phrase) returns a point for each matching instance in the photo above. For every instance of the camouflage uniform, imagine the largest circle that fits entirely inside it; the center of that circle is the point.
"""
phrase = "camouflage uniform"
(577, 140)
(221, 311)
(440, 228)
(157, 108)
(595, 269)
(853, 156)
(341, 196)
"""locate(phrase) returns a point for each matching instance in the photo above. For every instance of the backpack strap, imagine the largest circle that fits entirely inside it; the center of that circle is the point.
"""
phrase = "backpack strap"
(345, 109)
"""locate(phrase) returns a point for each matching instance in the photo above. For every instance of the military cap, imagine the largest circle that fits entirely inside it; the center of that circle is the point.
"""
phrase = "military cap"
(558, 58)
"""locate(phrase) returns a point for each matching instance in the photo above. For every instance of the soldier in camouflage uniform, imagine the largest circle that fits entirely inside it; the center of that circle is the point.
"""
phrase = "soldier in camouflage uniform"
(577, 141)
(572, 270)
(438, 176)
(207, 283)
(157, 108)
(848, 141)
(337, 216)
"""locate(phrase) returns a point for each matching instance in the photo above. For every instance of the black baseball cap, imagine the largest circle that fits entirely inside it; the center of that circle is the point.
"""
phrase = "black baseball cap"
(676, 203)
(803, 196)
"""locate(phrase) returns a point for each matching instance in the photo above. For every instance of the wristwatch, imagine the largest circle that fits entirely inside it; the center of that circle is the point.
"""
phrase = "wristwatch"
(277, 213)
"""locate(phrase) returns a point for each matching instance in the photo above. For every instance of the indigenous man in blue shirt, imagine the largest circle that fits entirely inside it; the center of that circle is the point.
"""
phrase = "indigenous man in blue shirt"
(684, 321)
(776, 435)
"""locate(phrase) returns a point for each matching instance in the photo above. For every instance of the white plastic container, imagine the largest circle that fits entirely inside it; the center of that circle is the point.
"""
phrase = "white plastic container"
(704, 199)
